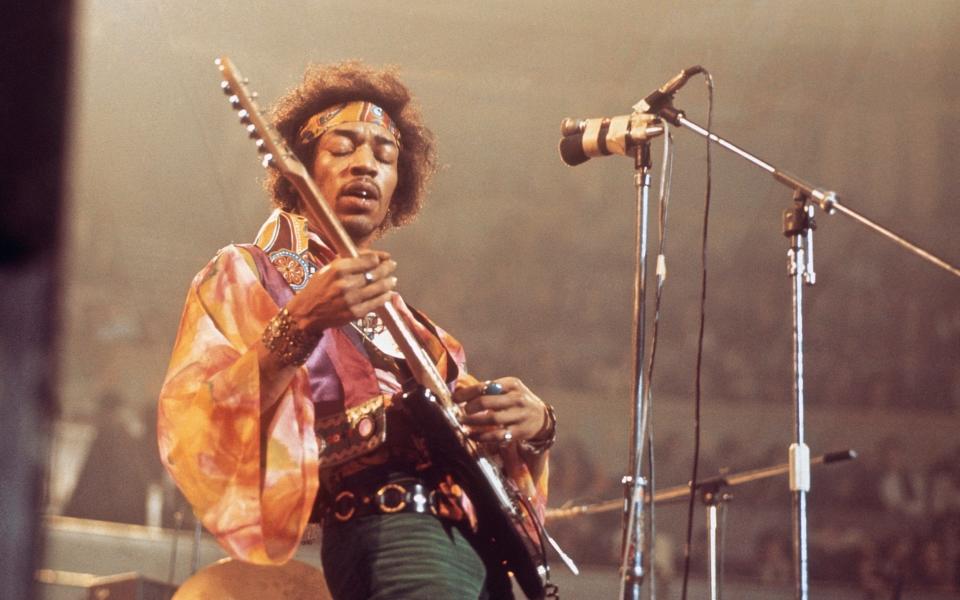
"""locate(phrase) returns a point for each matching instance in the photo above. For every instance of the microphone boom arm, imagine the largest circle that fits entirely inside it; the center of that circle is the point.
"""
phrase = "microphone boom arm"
(826, 199)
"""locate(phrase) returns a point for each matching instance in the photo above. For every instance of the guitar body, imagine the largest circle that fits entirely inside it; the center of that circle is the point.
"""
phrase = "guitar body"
(504, 525)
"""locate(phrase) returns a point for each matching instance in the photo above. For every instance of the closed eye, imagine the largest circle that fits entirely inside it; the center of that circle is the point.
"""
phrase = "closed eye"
(340, 145)
(342, 142)
(386, 152)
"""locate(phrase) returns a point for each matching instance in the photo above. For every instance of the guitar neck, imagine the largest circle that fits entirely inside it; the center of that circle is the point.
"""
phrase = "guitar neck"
(277, 153)
(418, 360)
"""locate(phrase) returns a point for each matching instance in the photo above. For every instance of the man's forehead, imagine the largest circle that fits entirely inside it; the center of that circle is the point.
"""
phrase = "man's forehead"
(362, 128)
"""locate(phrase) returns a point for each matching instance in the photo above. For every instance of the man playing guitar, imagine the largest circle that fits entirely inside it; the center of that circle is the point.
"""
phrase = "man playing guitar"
(283, 401)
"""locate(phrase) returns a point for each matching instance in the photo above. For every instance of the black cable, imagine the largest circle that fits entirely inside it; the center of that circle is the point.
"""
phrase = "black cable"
(653, 523)
(541, 531)
(661, 276)
(703, 318)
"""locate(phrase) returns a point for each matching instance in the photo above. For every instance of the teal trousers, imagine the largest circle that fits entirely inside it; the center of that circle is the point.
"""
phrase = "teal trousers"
(404, 556)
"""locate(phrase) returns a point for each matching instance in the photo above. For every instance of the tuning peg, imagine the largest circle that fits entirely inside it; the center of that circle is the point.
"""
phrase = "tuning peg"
(244, 116)
(225, 86)
(261, 146)
(234, 101)
(267, 160)
(252, 131)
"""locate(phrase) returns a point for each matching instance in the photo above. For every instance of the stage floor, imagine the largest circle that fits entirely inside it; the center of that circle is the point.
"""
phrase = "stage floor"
(79, 546)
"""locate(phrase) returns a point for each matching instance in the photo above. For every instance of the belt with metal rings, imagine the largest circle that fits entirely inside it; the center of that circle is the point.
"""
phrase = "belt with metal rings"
(401, 496)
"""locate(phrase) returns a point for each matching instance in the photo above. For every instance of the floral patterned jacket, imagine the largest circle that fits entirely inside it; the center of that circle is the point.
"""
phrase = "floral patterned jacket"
(256, 500)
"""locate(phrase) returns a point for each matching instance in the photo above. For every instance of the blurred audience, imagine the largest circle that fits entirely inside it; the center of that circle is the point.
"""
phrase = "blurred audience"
(902, 487)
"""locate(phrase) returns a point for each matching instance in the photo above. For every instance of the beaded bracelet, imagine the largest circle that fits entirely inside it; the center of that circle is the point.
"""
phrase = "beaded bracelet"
(288, 343)
(547, 436)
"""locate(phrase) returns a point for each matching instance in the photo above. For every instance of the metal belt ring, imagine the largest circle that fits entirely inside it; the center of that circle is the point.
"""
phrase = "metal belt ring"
(382, 499)
(338, 503)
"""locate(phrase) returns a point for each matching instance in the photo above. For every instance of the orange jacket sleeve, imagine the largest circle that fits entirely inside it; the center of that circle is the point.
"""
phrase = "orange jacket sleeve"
(209, 419)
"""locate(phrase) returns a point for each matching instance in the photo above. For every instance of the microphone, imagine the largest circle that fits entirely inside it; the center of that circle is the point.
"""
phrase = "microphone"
(586, 138)
(660, 97)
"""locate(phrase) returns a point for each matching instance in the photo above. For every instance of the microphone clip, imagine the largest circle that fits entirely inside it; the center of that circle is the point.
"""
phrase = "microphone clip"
(660, 101)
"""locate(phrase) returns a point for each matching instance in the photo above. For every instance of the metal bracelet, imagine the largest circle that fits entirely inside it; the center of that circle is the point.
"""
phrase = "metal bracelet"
(545, 439)
(287, 342)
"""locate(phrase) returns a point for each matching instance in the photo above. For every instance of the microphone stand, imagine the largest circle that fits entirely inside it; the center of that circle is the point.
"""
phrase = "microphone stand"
(632, 542)
(715, 502)
(178, 522)
(197, 534)
(713, 497)
(798, 226)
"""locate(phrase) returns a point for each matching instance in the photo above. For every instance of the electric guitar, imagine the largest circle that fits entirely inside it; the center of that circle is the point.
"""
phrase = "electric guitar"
(512, 537)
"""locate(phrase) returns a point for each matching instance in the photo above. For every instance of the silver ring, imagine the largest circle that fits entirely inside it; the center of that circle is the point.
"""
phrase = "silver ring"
(507, 437)
(368, 277)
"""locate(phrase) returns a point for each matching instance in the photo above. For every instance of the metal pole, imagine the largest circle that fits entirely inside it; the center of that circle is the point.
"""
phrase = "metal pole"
(195, 559)
(715, 499)
(712, 543)
(798, 226)
(631, 566)
(174, 543)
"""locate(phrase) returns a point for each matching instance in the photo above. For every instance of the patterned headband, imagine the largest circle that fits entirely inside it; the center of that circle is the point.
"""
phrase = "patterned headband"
(347, 112)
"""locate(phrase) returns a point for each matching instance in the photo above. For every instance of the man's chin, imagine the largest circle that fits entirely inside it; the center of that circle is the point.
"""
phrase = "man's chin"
(358, 227)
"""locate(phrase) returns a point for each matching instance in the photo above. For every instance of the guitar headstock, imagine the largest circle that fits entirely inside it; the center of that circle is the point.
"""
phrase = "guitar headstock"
(270, 144)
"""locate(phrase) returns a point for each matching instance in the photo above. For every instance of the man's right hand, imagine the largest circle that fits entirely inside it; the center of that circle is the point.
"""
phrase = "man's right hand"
(339, 293)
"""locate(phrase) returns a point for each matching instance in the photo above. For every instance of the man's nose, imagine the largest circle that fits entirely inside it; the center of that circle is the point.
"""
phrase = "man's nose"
(364, 162)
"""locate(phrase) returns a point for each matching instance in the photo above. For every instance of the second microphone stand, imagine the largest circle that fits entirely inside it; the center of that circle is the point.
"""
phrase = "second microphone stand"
(798, 226)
